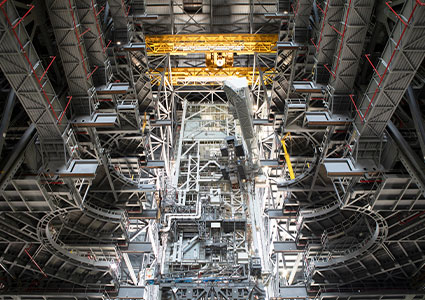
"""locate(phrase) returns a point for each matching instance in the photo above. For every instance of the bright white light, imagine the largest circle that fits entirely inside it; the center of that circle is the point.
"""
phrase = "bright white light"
(220, 62)
(114, 266)
(119, 43)
(269, 93)
(285, 12)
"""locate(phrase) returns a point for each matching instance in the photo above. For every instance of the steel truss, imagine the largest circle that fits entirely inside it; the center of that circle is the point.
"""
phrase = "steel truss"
(332, 13)
(315, 223)
(199, 198)
(351, 35)
(210, 17)
(35, 92)
(398, 65)
(160, 144)
(52, 208)
(185, 43)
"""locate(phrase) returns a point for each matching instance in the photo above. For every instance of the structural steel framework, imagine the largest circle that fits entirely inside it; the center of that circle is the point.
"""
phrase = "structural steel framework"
(212, 76)
(190, 149)
(185, 43)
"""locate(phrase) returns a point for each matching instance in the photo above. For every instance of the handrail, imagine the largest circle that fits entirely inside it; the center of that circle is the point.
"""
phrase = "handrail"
(304, 175)
(366, 246)
(58, 248)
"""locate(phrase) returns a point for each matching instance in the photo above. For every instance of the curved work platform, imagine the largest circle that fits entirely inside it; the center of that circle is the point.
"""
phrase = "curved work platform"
(320, 212)
(106, 215)
(49, 237)
(368, 245)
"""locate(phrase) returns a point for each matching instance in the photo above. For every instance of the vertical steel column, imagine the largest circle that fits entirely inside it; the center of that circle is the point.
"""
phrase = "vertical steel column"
(352, 33)
(302, 20)
(24, 71)
(326, 42)
(96, 47)
(413, 164)
(67, 30)
(398, 65)
(415, 110)
(7, 114)
(122, 27)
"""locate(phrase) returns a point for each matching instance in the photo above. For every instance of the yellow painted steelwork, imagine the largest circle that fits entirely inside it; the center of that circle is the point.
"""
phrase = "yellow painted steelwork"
(144, 123)
(183, 44)
(287, 158)
(210, 76)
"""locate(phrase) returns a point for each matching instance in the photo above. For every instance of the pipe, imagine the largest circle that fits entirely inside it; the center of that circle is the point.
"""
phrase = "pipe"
(171, 217)
(410, 219)
(35, 263)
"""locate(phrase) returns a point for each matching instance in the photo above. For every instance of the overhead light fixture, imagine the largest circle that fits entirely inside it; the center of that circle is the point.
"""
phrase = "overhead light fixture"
(220, 62)
(119, 43)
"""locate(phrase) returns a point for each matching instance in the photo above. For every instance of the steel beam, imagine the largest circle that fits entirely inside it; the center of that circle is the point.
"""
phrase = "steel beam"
(326, 41)
(413, 164)
(13, 162)
(24, 70)
(138, 247)
(292, 292)
(7, 114)
(205, 43)
(133, 292)
(399, 62)
(286, 247)
(302, 20)
(351, 37)
(417, 119)
(67, 29)
(96, 47)
(185, 76)
(130, 268)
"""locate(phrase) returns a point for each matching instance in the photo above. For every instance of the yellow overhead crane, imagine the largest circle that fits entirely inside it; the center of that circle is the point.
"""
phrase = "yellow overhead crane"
(219, 50)
(183, 44)
(210, 76)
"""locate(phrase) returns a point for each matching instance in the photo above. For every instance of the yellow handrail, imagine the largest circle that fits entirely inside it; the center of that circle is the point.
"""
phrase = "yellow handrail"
(144, 124)
(287, 158)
